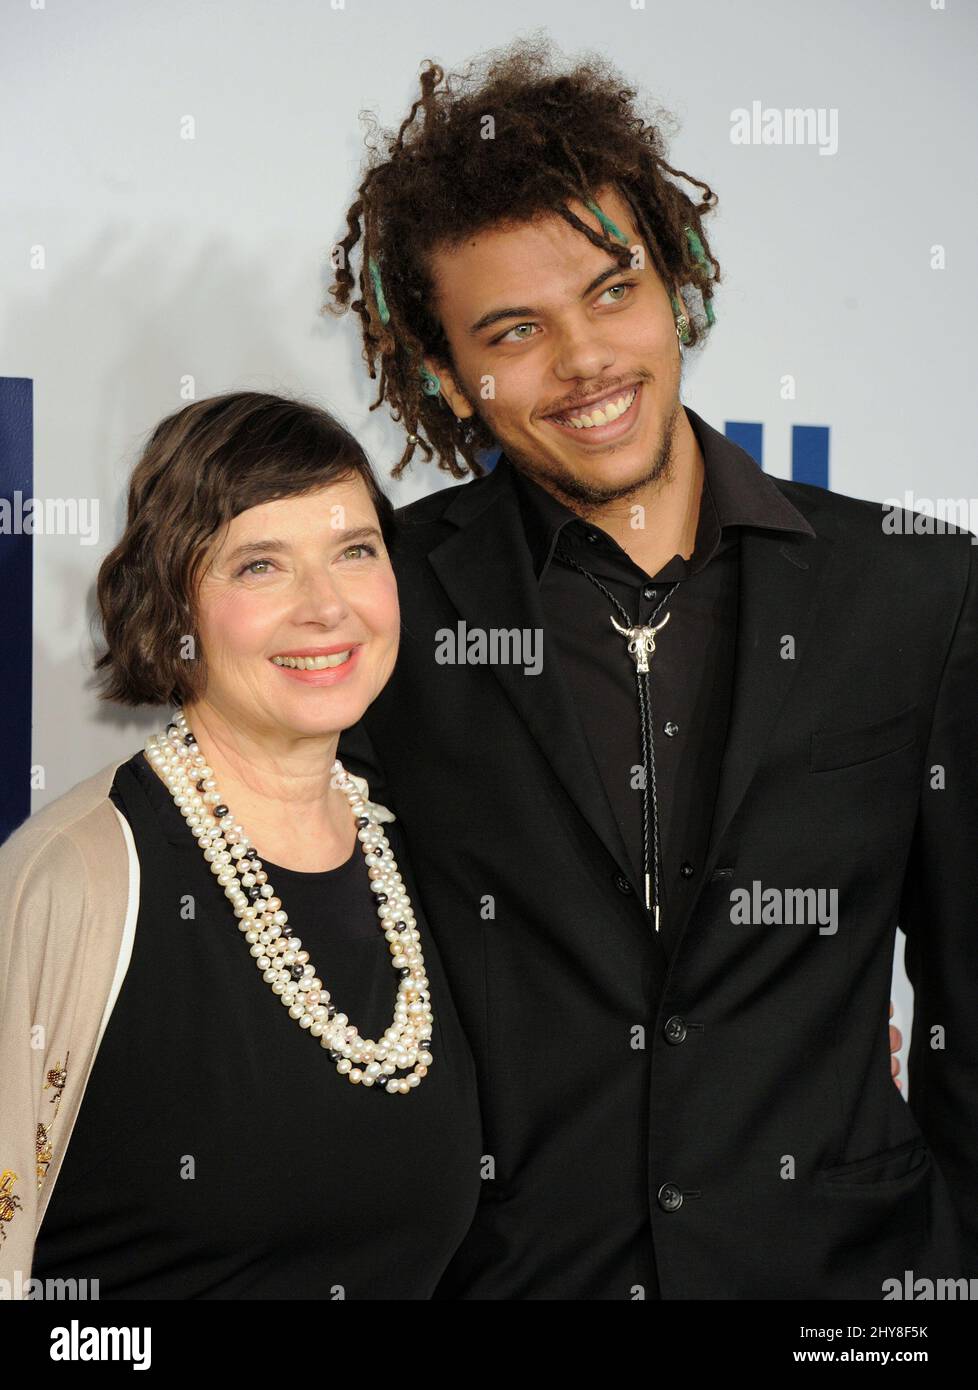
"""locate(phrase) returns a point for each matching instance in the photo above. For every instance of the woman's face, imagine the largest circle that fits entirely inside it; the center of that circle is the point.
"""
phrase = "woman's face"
(300, 577)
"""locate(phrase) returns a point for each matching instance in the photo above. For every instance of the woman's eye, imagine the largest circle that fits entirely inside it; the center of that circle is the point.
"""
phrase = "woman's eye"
(363, 545)
(250, 567)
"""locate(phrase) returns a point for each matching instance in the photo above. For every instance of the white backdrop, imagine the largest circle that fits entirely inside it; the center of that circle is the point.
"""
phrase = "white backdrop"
(132, 258)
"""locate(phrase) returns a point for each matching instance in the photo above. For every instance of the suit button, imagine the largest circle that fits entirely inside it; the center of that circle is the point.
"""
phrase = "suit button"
(686, 869)
(675, 1030)
(670, 728)
(622, 884)
(669, 1197)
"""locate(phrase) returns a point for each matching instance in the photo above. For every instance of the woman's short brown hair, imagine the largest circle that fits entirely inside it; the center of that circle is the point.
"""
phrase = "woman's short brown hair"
(202, 466)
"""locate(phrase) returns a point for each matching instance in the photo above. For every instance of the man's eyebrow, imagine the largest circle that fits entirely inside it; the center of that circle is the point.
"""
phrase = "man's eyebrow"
(276, 547)
(526, 311)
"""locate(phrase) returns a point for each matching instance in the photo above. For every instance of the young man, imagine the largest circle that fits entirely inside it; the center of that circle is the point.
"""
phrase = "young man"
(676, 745)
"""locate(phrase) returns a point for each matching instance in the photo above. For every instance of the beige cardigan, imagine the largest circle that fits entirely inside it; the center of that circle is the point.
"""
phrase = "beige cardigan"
(69, 883)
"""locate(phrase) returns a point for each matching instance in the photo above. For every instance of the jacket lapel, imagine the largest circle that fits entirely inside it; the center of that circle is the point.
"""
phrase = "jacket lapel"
(779, 580)
(486, 570)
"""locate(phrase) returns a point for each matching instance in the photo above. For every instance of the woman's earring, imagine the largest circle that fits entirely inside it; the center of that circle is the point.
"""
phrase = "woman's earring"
(430, 384)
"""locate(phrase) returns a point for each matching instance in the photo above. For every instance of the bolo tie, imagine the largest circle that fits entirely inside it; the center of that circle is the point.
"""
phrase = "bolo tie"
(641, 647)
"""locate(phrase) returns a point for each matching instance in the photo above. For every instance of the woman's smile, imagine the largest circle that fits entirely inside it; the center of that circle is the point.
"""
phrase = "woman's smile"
(318, 665)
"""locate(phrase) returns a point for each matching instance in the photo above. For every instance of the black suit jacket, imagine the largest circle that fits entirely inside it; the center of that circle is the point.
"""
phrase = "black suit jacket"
(737, 1096)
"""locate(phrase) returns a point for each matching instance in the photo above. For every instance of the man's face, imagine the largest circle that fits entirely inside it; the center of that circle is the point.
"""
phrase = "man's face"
(546, 329)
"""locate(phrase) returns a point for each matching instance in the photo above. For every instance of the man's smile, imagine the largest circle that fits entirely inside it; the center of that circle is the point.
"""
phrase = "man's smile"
(607, 417)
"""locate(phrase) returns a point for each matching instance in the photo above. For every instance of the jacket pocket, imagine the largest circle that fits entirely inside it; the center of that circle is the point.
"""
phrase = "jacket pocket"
(833, 748)
(884, 1173)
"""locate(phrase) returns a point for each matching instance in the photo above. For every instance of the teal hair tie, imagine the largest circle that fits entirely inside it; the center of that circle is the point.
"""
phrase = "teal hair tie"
(382, 309)
(696, 246)
(430, 384)
(703, 260)
(607, 223)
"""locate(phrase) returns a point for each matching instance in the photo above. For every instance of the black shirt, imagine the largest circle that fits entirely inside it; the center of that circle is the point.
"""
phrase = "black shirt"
(691, 670)
(217, 1153)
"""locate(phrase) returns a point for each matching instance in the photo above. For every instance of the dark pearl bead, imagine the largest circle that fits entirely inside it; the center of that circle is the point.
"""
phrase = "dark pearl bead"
(296, 972)
(200, 786)
(286, 931)
(189, 739)
(404, 971)
(220, 811)
(254, 892)
(363, 821)
(331, 1011)
(381, 897)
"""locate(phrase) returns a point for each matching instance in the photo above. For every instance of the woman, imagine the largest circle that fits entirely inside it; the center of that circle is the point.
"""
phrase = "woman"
(191, 931)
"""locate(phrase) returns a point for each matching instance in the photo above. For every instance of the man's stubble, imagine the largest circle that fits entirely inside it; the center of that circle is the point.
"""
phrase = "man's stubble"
(584, 497)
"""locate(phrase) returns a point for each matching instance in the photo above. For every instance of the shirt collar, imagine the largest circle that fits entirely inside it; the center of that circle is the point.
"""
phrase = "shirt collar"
(736, 492)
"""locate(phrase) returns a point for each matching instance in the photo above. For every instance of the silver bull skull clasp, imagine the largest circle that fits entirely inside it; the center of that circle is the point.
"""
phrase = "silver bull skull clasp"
(641, 641)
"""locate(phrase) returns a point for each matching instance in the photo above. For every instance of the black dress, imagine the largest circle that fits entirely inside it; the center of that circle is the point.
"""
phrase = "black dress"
(217, 1153)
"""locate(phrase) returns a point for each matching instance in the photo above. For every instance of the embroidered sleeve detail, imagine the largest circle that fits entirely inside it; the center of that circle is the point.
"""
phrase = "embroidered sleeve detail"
(54, 1081)
(9, 1201)
(44, 1152)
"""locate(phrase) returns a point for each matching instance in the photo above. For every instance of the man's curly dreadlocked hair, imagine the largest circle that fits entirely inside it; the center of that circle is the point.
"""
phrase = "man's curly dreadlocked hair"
(437, 180)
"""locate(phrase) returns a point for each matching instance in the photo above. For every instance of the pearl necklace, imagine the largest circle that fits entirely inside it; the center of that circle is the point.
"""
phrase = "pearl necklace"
(406, 1045)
